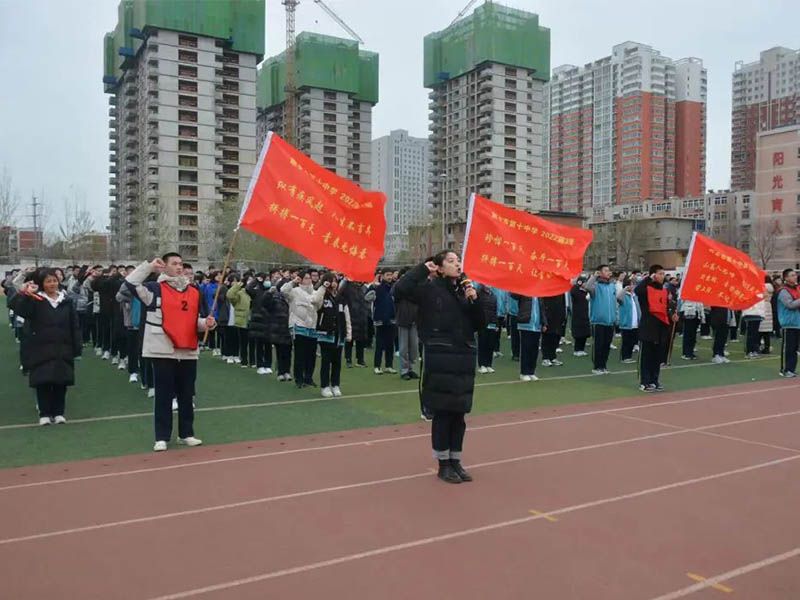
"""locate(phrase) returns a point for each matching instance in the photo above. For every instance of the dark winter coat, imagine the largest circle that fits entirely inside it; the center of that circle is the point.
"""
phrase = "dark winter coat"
(405, 310)
(488, 303)
(354, 295)
(274, 308)
(651, 328)
(555, 314)
(383, 312)
(107, 287)
(53, 340)
(580, 313)
(447, 326)
(718, 317)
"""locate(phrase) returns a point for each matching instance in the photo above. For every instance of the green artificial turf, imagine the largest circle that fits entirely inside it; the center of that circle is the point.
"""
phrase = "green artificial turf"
(103, 391)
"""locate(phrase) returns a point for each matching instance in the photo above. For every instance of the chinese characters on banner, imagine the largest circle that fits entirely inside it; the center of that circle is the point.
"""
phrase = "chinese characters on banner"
(519, 252)
(718, 275)
(777, 185)
(299, 204)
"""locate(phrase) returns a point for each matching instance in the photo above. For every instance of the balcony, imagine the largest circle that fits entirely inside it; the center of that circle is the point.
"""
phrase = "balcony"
(112, 157)
(112, 123)
(112, 169)
(112, 181)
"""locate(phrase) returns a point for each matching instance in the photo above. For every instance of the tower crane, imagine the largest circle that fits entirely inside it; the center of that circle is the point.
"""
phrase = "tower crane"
(290, 89)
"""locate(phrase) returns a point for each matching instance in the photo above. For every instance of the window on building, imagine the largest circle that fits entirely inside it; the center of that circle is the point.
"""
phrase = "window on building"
(187, 101)
(230, 58)
(188, 176)
(187, 161)
(187, 86)
(187, 116)
(230, 71)
(187, 40)
(329, 95)
(329, 106)
(329, 128)
(187, 56)
(230, 85)
(187, 71)
(230, 140)
(329, 118)
(230, 155)
(187, 131)
(187, 146)
(188, 190)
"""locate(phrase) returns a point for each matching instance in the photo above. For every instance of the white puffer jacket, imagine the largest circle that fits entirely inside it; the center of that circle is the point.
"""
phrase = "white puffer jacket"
(304, 302)
(759, 309)
(766, 325)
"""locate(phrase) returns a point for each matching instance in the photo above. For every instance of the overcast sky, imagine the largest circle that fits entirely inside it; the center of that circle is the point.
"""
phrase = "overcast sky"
(54, 114)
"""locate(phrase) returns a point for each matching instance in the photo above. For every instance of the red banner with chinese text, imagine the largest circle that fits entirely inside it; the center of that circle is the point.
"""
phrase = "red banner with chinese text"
(520, 252)
(299, 204)
(718, 275)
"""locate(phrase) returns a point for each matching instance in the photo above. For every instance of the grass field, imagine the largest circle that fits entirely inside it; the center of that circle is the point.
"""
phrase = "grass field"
(110, 417)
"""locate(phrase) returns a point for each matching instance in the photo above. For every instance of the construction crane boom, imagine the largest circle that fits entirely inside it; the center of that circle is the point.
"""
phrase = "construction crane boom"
(341, 23)
(463, 11)
(290, 89)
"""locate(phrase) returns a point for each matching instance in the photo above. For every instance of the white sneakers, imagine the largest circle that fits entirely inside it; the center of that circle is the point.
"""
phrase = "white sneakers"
(390, 370)
(261, 371)
(552, 363)
(483, 370)
(230, 360)
(98, 351)
(527, 378)
(281, 378)
(216, 352)
(546, 363)
(287, 377)
(336, 391)
(598, 372)
(123, 364)
(190, 441)
(151, 393)
(115, 360)
(106, 355)
(267, 371)
(327, 392)
(159, 446)
(44, 421)
(134, 378)
(378, 371)
(489, 370)
(720, 360)
(59, 420)
(174, 404)
(580, 353)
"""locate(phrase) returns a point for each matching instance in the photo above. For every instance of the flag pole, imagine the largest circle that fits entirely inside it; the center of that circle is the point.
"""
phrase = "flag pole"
(671, 343)
(219, 285)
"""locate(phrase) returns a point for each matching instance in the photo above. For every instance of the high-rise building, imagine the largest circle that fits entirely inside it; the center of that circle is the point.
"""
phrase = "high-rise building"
(625, 128)
(337, 86)
(182, 83)
(766, 95)
(486, 73)
(401, 169)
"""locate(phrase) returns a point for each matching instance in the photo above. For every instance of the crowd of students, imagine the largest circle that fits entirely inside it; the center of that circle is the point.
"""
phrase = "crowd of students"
(285, 321)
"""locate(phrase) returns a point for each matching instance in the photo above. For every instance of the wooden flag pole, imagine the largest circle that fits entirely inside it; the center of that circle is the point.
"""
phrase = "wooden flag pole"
(219, 285)
(671, 343)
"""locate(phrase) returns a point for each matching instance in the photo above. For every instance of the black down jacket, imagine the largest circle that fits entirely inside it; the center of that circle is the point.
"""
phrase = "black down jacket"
(447, 326)
(354, 295)
(53, 340)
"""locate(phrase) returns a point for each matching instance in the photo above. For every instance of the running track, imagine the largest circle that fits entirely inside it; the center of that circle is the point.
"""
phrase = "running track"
(690, 494)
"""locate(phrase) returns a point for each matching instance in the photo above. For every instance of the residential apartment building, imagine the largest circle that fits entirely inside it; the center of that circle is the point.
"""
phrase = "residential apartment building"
(625, 128)
(401, 166)
(638, 243)
(486, 118)
(182, 122)
(766, 95)
(337, 87)
(776, 225)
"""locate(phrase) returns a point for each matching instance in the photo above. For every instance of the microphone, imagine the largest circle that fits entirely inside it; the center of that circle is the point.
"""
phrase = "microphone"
(464, 283)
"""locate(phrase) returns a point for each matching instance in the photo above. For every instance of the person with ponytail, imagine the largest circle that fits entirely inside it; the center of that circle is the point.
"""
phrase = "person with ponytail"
(447, 327)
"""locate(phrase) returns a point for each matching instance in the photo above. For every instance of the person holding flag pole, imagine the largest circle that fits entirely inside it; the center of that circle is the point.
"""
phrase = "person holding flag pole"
(658, 320)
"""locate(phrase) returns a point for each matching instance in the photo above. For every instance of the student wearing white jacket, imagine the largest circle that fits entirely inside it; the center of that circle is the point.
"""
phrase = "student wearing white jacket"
(304, 303)
(753, 317)
(767, 325)
(693, 316)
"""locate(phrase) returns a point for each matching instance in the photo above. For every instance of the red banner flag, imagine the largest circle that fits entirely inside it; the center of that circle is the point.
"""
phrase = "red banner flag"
(718, 275)
(520, 252)
(299, 204)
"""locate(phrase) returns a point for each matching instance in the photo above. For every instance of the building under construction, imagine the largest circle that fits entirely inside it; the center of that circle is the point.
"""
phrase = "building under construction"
(336, 87)
(487, 73)
(182, 83)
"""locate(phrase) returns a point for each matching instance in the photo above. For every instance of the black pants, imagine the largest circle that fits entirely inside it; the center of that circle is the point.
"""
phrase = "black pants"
(86, 330)
(689, 336)
(331, 367)
(447, 434)
(174, 379)
(766, 340)
(104, 331)
(384, 345)
(514, 333)
(550, 345)
(528, 351)
(720, 337)
(132, 345)
(305, 359)
(630, 338)
(580, 344)
(752, 336)
(230, 341)
(348, 352)
(650, 356)
(789, 352)
(705, 329)
(146, 367)
(499, 334)
(51, 400)
(487, 339)
(283, 355)
(212, 340)
(247, 348)
(603, 336)
(263, 353)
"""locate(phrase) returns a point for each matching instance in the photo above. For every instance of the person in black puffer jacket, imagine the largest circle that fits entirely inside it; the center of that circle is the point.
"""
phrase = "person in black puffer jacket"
(447, 324)
(487, 336)
(276, 324)
(555, 314)
(54, 342)
(257, 327)
(357, 298)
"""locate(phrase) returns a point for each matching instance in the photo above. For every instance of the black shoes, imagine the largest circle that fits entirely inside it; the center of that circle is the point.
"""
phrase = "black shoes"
(447, 473)
(462, 474)
(413, 375)
(406, 376)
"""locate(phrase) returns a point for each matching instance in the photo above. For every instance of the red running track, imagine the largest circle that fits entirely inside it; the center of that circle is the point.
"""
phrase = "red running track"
(689, 494)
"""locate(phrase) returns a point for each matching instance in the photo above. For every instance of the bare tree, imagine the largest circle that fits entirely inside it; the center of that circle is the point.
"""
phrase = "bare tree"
(9, 205)
(78, 220)
(631, 238)
(764, 240)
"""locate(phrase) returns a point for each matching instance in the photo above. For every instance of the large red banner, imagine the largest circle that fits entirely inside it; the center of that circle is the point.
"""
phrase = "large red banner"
(328, 219)
(718, 275)
(520, 252)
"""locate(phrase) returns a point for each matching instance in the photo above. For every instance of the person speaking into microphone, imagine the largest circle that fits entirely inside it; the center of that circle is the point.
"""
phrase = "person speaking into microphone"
(448, 320)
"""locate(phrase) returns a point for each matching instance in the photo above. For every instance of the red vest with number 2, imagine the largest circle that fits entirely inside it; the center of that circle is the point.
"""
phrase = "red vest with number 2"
(180, 311)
